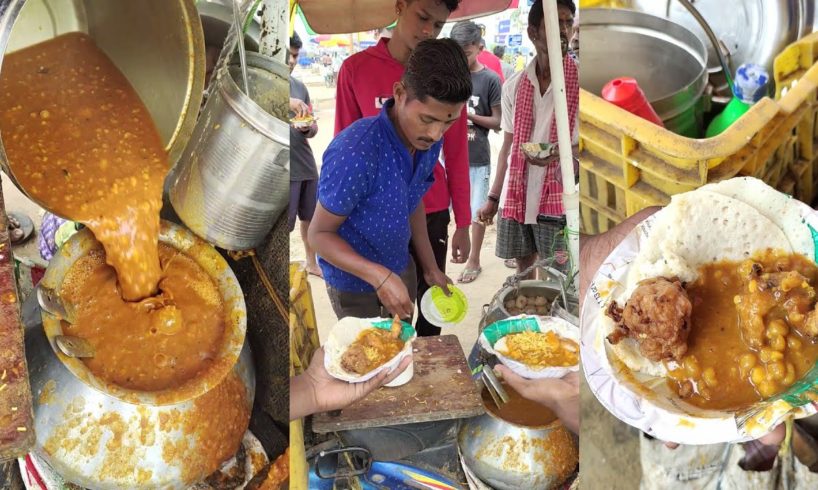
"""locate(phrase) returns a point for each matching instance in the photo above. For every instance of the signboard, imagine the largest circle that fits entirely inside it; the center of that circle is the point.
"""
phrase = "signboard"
(504, 26)
(500, 39)
(515, 40)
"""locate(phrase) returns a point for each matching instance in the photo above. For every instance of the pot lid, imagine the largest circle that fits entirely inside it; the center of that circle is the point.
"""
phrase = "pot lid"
(752, 31)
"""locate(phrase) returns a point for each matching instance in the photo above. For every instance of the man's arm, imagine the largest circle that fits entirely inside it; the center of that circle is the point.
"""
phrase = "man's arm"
(325, 240)
(489, 210)
(346, 106)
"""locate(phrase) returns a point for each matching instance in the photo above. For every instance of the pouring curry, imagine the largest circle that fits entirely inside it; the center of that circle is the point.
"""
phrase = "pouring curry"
(80, 141)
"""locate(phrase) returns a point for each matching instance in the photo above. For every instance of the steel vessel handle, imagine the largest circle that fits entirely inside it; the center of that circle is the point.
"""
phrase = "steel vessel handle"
(725, 65)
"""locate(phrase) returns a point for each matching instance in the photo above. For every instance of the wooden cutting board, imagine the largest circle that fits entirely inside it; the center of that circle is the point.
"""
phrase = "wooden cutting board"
(441, 389)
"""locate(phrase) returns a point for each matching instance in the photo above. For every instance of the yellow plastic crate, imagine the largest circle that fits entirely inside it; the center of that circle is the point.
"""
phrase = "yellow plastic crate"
(627, 163)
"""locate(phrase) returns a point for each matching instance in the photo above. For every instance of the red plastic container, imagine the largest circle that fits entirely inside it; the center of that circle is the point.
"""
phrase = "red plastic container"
(626, 93)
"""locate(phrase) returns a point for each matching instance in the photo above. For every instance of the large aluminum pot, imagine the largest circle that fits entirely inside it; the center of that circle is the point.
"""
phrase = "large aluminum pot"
(549, 286)
(102, 436)
(668, 61)
(750, 31)
(157, 44)
(233, 180)
(508, 456)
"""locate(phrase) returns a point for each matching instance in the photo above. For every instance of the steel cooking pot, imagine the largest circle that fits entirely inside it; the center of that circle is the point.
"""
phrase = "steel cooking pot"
(102, 436)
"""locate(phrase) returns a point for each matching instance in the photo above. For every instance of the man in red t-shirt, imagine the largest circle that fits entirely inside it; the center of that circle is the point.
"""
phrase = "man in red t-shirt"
(366, 80)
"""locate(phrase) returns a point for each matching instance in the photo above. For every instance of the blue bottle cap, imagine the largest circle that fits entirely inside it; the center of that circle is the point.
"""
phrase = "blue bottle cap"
(750, 84)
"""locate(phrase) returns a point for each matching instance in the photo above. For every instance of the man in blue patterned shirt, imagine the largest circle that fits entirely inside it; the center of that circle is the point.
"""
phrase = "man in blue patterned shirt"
(373, 177)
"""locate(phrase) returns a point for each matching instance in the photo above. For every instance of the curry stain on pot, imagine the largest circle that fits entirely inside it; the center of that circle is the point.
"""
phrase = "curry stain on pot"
(217, 423)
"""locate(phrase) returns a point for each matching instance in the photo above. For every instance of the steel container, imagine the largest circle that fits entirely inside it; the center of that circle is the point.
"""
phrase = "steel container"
(232, 181)
(549, 286)
(508, 456)
(667, 60)
(102, 436)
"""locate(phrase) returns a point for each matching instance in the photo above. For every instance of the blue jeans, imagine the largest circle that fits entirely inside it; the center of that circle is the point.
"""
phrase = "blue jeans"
(479, 180)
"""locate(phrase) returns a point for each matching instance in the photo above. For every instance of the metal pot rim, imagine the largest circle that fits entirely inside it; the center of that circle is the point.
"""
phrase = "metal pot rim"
(212, 262)
(260, 120)
(551, 425)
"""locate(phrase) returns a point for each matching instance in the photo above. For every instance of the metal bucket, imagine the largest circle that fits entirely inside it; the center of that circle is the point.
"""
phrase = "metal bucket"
(668, 61)
(232, 181)
(156, 44)
(550, 286)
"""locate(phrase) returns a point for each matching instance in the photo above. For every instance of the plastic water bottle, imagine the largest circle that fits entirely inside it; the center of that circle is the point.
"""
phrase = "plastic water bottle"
(626, 93)
(749, 86)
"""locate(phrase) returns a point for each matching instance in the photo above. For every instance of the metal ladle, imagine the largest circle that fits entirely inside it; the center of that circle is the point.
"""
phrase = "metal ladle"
(494, 387)
(240, 42)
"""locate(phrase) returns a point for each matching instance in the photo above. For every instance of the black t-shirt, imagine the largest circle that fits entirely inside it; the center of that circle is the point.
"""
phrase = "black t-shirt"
(302, 161)
(486, 92)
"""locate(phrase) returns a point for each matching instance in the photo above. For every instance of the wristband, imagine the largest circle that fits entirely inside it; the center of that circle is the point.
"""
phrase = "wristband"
(494, 199)
(384, 281)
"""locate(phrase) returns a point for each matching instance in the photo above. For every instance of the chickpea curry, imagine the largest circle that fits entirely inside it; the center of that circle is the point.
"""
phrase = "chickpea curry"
(519, 410)
(373, 348)
(753, 328)
(170, 338)
(81, 142)
(541, 349)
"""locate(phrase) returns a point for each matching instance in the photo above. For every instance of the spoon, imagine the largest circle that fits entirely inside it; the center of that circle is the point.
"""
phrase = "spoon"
(74, 346)
(51, 302)
(69, 345)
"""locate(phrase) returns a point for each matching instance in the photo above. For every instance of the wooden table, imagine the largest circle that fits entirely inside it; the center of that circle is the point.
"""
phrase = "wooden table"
(441, 389)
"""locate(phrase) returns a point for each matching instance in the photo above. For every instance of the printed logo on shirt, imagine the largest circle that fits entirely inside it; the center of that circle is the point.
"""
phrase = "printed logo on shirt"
(471, 108)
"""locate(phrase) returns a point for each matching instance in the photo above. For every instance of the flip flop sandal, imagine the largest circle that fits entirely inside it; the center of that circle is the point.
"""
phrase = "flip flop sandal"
(469, 275)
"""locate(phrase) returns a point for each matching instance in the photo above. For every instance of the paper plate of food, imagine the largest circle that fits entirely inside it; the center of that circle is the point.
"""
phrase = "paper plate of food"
(539, 150)
(700, 325)
(303, 121)
(534, 347)
(357, 349)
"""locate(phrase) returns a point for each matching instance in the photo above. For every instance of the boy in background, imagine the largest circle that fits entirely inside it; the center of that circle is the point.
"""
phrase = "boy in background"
(483, 115)
(303, 170)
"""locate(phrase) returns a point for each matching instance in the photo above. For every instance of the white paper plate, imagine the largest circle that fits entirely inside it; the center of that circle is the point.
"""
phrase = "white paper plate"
(559, 326)
(631, 398)
(344, 333)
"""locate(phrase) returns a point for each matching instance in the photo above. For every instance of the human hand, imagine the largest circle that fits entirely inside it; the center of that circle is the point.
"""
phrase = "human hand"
(487, 212)
(461, 246)
(542, 162)
(596, 248)
(395, 297)
(329, 393)
(559, 394)
(436, 277)
(298, 107)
